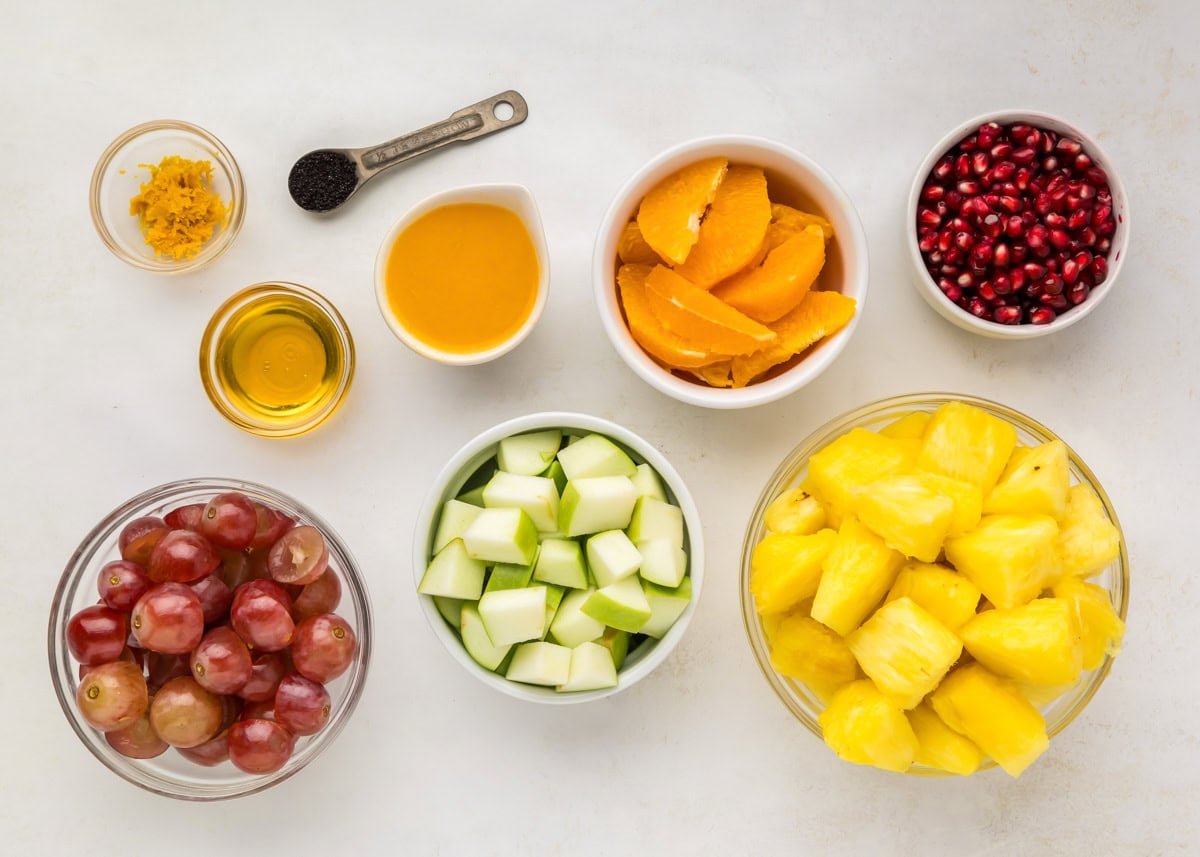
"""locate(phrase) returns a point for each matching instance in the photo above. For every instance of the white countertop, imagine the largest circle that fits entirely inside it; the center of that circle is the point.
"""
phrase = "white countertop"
(102, 400)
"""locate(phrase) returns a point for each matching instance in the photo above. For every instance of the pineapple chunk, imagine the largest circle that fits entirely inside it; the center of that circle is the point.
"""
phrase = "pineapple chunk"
(1101, 629)
(968, 501)
(1038, 643)
(863, 726)
(1087, 539)
(904, 650)
(939, 746)
(784, 569)
(948, 597)
(907, 514)
(836, 472)
(1034, 483)
(855, 575)
(908, 427)
(992, 713)
(806, 650)
(1043, 694)
(770, 625)
(1011, 558)
(967, 443)
(795, 512)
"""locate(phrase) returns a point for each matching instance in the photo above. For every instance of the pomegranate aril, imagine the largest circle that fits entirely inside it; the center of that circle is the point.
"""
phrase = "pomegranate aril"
(987, 291)
(978, 308)
(943, 169)
(1058, 303)
(943, 240)
(1100, 214)
(962, 166)
(1099, 269)
(1103, 195)
(1010, 204)
(1023, 177)
(1108, 227)
(1059, 239)
(1049, 163)
(1002, 284)
(966, 280)
(1042, 315)
(1082, 163)
(1052, 285)
(952, 257)
(1019, 252)
(1036, 238)
(980, 163)
(929, 217)
(1014, 226)
(927, 242)
(1007, 315)
(954, 200)
(1103, 245)
(970, 144)
(976, 206)
(1087, 236)
(1000, 256)
(1086, 192)
(967, 187)
(1068, 146)
(1017, 278)
(964, 240)
(988, 133)
(1042, 203)
(1054, 220)
(991, 226)
(1078, 219)
(1003, 171)
(1070, 272)
(1096, 176)
(1078, 293)
(954, 293)
(932, 192)
(1023, 155)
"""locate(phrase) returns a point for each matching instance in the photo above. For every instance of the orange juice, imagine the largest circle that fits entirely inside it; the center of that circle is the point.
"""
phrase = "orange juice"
(463, 278)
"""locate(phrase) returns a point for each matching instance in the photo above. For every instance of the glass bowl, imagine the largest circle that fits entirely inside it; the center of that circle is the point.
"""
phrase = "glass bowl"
(170, 774)
(339, 351)
(118, 178)
(791, 472)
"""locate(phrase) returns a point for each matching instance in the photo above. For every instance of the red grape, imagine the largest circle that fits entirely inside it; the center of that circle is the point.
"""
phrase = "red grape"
(270, 524)
(112, 696)
(122, 583)
(160, 669)
(182, 556)
(96, 635)
(229, 521)
(235, 568)
(184, 714)
(168, 619)
(137, 740)
(300, 556)
(221, 663)
(215, 597)
(139, 537)
(127, 654)
(321, 596)
(259, 746)
(301, 705)
(214, 751)
(263, 710)
(261, 615)
(185, 517)
(323, 647)
(265, 674)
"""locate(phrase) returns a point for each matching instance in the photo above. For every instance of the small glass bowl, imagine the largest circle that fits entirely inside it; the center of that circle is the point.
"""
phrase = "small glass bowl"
(118, 178)
(210, 354)
(170, 774)
(791, 473)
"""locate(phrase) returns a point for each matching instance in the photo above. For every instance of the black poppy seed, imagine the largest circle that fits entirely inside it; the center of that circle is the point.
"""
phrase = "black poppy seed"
(322, 180)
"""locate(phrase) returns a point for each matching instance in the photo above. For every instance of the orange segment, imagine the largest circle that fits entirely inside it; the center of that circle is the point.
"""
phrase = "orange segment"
(817, 316)
(785, 215)
(646, 330)
(773, 289)
(669, 216)
(733, 230)
(632, 248)
(693, 314)
(716, 374)
(777, 233)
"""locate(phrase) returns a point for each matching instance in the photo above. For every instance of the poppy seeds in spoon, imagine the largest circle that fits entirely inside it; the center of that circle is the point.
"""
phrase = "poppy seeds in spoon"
(322, 180)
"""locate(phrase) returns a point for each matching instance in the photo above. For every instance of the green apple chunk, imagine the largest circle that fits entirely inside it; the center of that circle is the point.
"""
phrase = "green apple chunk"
(648, 484)
(666, 606)
(536, 495)
(529, 454)
(595, 455)
(540, 663)
(554, 597)
(662, 562)
(560, 561)
(612, 556)
(514, 615)
(477, 642)
(591, 669)
(505, 576)
(572, 626)
(474, 497)
(502, 535)
(617, 643)
(654, 519)
(555, 472)
(450, 608)
(596, 504)
(456, 517)
(453, 573)
(621, 605)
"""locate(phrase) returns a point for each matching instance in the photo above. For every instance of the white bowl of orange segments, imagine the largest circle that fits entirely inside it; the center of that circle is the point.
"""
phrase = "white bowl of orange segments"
(730, 271)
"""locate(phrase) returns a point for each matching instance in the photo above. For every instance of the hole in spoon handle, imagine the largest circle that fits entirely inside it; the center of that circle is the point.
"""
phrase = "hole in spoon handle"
(470, 123)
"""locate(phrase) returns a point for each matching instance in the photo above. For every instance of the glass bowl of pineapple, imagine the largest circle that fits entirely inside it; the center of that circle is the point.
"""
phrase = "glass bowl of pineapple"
(935, 584)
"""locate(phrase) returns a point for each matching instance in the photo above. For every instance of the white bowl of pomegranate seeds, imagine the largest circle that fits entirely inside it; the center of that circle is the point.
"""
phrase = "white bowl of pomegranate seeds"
(228, 645)
(1017, 225)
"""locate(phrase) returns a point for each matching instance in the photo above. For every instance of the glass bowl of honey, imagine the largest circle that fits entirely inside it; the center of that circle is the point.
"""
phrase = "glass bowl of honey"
(277, 359)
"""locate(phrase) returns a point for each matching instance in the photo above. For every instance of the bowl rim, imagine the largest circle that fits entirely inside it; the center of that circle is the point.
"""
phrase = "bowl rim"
(1117, 252)
(795, 460)
(508, 195)
(210, 251)
(84, 560)
(467, 460)
(854, 247)
(208, 356)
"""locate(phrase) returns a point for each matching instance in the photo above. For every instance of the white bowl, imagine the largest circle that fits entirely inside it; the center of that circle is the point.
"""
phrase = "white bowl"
(647, 656)
(517, 199)
(793, 179)
(1116, 255)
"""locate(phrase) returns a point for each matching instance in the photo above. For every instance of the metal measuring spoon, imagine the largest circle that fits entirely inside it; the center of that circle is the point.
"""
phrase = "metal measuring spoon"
(324, 179)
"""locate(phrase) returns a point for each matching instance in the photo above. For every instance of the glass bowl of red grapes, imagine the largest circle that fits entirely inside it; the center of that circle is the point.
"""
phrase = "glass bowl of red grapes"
(209, 638)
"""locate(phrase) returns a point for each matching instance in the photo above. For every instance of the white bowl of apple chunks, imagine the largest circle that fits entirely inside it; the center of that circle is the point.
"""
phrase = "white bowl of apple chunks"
(559, 557)
(935, 584)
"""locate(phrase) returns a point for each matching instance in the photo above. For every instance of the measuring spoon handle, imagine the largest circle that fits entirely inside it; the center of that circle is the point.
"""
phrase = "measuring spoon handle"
(477, 120)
